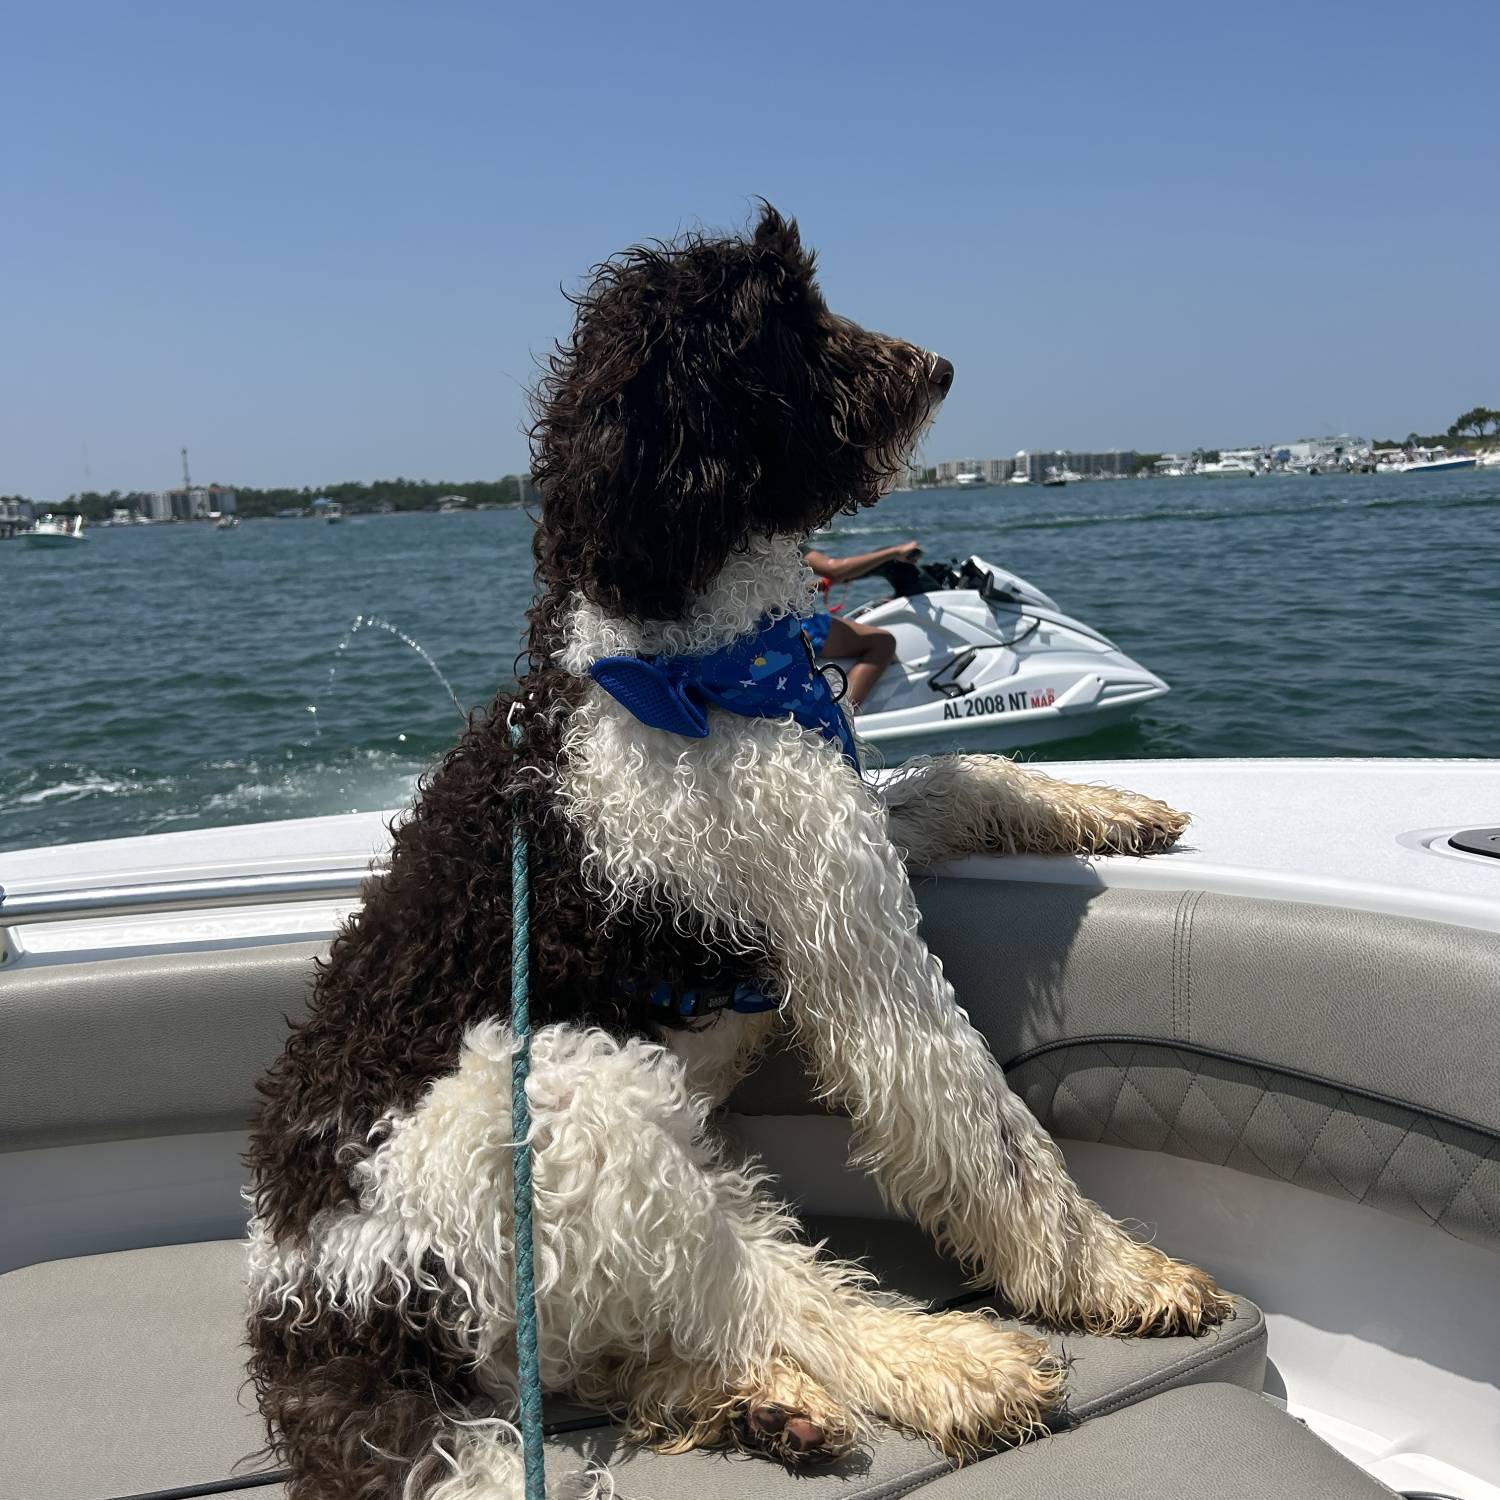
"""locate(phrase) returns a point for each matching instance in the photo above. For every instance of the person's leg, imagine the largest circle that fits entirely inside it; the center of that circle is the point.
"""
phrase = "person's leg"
(870, 649)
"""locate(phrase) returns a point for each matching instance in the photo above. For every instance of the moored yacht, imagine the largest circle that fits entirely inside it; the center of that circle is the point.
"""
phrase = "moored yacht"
(55, 531)
(1425, 461)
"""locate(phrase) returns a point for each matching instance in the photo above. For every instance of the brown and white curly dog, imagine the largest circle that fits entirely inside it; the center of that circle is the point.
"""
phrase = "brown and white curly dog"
(705, 415)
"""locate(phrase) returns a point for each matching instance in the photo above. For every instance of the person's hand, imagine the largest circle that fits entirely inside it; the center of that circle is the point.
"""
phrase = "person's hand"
(908, 551)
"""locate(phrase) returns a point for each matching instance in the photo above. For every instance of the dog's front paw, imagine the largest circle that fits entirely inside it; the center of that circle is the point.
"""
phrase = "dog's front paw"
(1149, 1293)
(1117, 822)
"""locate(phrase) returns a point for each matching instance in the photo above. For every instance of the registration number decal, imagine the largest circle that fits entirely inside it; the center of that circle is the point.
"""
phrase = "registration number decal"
(977, 705)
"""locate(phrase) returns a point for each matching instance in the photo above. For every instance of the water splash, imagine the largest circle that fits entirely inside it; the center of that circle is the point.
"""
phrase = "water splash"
(372, 622)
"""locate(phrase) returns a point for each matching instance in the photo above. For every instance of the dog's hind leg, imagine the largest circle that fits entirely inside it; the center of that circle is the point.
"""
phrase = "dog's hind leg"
(985, 804)
(675, 1405)
(716, 1323)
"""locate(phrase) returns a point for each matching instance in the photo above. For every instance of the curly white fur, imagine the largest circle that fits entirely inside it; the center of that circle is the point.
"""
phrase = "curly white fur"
(767, 578)
(668, 1281)
(761, 831)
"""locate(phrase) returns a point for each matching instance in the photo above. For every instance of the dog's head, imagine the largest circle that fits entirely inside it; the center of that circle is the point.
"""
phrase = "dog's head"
(707, 394)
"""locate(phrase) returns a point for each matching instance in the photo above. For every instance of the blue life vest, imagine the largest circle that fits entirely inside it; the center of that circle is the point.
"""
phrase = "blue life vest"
(767, 674)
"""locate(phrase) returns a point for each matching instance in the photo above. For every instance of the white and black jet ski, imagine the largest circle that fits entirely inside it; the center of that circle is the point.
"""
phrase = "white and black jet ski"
(987, 661)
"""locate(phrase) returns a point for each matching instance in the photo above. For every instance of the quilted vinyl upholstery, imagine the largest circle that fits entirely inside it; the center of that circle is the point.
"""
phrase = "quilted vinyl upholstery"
(1157, 1097)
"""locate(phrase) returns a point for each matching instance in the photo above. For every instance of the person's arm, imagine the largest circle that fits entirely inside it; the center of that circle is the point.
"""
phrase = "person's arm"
(847, 569)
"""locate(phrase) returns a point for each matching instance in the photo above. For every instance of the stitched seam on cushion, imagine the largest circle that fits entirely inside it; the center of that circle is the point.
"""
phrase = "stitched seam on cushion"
(1132, 1394)
(1187, 967)
(1177, 965)
(893, 1488)
(1478, 1201)
(1179, 1059)
(1336, 1112)
(1188, 1093)
(1341, 1106)
(1444, 1211)
(1406, 1135)
(1267, 1092)
(1115, 1102)
(1255, 1064)
(1136, 1089)
(1352, 1114)
(1061, 1086)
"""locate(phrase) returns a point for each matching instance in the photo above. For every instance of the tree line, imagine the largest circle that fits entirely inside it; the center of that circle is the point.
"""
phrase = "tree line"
(400, 494)
(355, 496)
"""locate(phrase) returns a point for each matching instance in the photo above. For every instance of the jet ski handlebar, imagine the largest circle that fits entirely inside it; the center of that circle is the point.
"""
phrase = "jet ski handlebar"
(908, 579)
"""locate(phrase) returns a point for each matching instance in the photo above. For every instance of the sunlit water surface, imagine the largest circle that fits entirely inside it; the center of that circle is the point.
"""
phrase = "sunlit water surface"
(161, 677)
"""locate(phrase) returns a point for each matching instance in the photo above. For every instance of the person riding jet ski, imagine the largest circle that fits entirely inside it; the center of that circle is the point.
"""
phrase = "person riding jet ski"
(867, 648)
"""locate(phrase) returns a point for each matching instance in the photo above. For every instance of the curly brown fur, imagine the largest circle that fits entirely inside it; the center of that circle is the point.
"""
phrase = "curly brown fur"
(705, 393)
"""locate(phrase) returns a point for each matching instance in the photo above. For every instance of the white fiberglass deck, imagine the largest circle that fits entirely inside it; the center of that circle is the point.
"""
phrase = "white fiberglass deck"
(1366, 834)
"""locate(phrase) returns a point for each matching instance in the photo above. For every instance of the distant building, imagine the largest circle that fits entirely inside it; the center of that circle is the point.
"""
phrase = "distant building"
(1113, 463)
(990, 470)
(1317, 452)
(195, 504)
(15, 515)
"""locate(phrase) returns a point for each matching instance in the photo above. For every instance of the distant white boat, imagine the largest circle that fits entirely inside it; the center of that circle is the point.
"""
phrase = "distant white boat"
(968, 481)
(227, 523)
(1019, 477)
(56, 531)
(1428, 465)
(333, 512)
(1228, 467)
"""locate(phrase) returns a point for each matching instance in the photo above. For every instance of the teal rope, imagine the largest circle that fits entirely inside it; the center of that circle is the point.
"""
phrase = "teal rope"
(528, 1362)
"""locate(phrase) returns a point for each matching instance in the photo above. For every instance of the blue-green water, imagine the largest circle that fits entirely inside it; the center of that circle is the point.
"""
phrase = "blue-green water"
(160, 677)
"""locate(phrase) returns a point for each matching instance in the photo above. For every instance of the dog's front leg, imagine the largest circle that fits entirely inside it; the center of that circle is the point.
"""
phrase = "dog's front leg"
(985, 804)
(762, 832)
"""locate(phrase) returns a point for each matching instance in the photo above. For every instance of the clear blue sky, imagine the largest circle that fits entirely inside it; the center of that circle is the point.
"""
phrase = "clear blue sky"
(325, 241)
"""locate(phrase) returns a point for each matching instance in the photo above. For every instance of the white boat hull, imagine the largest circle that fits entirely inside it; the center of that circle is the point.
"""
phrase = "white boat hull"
(1439, 466)
(51, 539)
(1000, 733)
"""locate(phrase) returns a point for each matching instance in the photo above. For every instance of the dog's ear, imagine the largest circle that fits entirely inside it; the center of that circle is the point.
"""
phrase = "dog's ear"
(679, 418)
(780, 239)
(772, 232)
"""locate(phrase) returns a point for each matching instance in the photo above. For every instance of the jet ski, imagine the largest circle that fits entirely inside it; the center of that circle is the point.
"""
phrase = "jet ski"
(987, 661)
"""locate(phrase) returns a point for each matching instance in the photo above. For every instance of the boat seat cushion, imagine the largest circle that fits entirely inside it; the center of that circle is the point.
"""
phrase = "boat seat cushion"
(124, 1374)
(1202, 1440)
(1217, 1440)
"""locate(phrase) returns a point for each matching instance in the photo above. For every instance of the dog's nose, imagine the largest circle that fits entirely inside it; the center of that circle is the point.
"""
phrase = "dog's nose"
(940, 375)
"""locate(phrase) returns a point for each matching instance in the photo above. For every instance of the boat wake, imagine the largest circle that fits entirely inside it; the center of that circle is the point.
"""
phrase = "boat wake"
(120, 801)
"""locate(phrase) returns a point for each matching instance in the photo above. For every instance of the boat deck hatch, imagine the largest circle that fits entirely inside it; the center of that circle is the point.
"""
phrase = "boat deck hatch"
(1477, 841)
